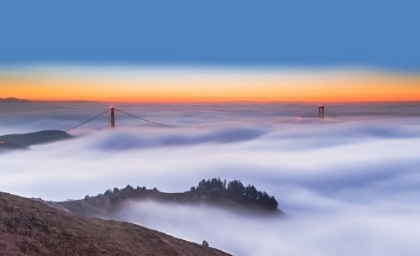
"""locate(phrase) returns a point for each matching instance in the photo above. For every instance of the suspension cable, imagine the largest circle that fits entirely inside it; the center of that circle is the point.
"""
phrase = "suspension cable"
(149, 121)
(87, 121)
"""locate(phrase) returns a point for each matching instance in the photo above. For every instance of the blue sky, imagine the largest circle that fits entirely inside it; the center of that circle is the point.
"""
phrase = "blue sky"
(375, 34)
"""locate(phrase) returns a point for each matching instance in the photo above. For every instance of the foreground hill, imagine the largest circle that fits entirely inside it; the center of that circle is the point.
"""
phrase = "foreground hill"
(34, 138)
(29, 227)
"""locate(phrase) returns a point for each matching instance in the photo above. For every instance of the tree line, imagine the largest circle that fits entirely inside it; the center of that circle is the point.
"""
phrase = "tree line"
(236, 187)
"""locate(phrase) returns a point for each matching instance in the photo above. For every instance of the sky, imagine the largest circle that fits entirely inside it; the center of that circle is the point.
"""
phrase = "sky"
(373, 33)
(210, 51)
(181, 84)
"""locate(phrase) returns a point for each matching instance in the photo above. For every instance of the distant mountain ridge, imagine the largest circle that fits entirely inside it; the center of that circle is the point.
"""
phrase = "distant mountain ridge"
(12, 99)
(17, 100)
(35, 138)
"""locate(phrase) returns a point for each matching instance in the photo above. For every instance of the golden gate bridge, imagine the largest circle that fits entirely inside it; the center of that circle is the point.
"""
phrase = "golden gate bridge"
(112, 117)
(320, 111)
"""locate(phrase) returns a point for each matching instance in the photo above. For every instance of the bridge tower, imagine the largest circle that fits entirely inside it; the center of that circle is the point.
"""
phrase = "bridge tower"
(321, 112)
(112, 124)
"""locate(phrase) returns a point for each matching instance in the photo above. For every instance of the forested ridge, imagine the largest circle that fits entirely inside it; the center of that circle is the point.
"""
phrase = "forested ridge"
(236, 187)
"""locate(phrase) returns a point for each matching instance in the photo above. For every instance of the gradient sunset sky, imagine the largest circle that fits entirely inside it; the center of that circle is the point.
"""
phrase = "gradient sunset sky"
(317, 51)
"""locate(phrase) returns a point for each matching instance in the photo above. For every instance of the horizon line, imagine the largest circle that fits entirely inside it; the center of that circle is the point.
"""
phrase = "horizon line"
(317, 102)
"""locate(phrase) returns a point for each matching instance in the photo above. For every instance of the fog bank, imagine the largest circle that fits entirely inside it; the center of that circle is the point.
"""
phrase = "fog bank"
(349, 185)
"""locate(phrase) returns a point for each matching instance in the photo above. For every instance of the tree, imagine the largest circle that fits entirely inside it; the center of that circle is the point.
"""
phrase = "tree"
(201, 185)
(207, 185)
(236, 187)
(220, 184)
(265, 197)
(251, 192)
(214, 184)
(108, 192)
(273, 202)
(259, 196)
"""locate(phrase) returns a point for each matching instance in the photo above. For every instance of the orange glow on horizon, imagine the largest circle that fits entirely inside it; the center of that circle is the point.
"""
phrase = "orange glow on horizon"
(320, 89)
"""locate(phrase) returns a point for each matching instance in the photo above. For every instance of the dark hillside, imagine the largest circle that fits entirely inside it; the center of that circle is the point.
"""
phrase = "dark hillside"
(29, 227)
(6, 146)
(34, 138)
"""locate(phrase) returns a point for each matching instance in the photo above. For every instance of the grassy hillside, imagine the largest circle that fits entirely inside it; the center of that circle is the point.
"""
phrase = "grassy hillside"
(29, 227)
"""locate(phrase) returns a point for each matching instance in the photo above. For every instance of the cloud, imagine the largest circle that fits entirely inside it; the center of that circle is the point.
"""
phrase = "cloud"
(125, 139)
(349, 185)
(349, 230)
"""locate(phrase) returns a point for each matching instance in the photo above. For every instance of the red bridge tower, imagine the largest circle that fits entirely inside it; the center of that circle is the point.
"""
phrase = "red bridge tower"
(112, 124)
(321, 113)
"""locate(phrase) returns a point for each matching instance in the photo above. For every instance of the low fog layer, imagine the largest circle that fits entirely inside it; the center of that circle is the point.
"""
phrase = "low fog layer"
(349, 185)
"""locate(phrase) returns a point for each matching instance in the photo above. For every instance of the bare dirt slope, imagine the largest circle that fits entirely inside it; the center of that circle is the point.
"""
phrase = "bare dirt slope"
(29, 227)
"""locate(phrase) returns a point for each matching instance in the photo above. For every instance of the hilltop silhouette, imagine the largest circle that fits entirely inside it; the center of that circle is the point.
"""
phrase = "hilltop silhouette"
(107, 204)
(35, 138)
(12, 99)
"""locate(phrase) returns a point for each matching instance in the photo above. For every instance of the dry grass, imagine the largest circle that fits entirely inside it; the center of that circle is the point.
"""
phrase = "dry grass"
(29, 227)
